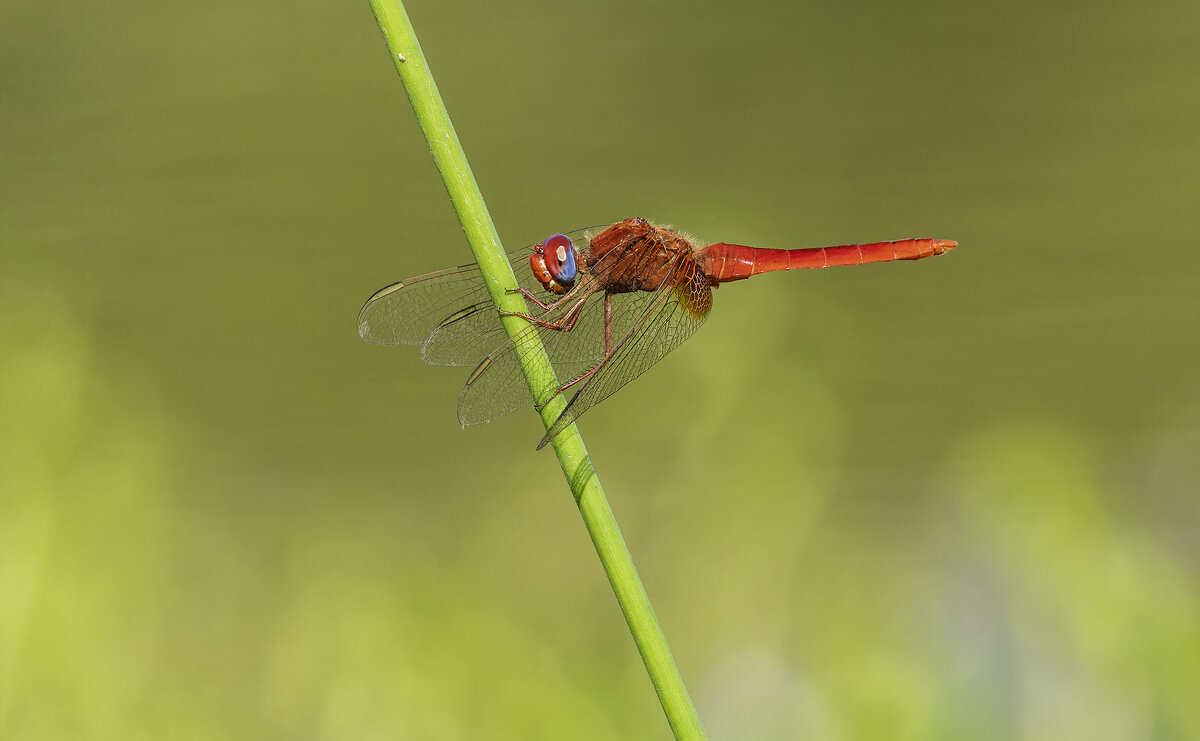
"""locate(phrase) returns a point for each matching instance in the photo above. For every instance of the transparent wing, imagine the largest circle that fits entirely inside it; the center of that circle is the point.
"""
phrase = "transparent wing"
(448, 312)
(404, 313)
(664, 320)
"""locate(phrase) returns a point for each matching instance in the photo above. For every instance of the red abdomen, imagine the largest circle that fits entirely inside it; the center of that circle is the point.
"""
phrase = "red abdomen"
(725, 262)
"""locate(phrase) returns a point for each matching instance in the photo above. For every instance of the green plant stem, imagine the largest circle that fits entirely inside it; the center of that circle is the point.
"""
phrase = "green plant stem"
(568, 445)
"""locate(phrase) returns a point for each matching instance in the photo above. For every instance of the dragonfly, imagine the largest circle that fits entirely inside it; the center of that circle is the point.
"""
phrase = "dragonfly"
(606, 303)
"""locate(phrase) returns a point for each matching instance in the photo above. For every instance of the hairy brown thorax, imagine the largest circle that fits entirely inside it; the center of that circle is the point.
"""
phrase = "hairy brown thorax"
(639, 256)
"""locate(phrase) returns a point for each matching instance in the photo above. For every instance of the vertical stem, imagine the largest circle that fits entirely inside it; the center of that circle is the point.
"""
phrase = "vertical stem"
(568, 446)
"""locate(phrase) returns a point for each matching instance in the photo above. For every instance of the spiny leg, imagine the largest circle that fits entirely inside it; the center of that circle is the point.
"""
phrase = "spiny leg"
(530, 297)
(566, 324)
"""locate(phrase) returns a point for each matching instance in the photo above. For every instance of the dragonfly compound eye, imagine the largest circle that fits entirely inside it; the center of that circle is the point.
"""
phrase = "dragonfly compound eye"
(560, 259)
(553, 264)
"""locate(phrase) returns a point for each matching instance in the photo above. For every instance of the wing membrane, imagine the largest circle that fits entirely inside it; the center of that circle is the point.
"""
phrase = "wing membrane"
(448, 312)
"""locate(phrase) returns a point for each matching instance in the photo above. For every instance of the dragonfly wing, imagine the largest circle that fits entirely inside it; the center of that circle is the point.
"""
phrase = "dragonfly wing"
(474, 329)
(448, 312)
(405, 312)
(648, 327)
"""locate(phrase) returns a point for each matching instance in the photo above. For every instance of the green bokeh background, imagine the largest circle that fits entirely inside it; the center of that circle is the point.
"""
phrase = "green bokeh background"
(953, 499)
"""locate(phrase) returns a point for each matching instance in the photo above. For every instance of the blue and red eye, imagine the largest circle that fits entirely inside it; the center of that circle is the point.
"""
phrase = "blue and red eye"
(553, 264)
(560, 258)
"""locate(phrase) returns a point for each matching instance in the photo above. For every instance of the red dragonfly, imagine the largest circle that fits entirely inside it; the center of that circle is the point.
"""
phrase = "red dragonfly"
(606, 302)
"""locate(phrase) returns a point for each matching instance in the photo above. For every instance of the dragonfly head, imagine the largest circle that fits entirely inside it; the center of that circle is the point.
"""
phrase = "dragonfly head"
(553, 264)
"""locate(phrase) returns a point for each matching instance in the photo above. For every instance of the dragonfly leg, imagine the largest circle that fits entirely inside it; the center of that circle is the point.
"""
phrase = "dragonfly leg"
(596, 367)
(566, 324)
(569, 384)
(530, 297)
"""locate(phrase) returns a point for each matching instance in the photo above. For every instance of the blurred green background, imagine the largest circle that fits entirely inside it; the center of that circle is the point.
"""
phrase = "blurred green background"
(953, 499)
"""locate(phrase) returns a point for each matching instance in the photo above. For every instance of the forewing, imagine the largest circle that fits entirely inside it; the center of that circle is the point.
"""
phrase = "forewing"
(405, 312)
(661, 323)
(449, 312)
(466, 334)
